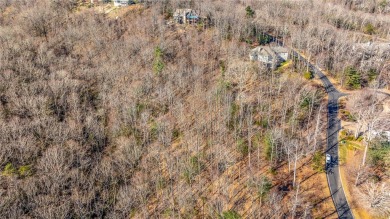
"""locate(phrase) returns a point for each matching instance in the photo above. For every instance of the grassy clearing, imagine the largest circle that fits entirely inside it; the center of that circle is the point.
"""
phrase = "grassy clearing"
(358, 213)
(348, 156)
(348, 145)
(285, 64)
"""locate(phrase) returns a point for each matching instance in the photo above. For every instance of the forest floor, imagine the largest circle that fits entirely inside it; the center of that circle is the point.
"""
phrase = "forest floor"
(351, 154)
(351, 158)
(313, 189)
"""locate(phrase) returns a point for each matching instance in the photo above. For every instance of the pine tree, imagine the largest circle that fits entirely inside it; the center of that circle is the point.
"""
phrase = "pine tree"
(249, 12)
(354, 78)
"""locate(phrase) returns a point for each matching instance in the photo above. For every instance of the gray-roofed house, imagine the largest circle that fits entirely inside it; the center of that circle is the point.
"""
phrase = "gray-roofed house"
(372, 46)
(372, 54)
(270, 56)
(183, 16)
(123, 2)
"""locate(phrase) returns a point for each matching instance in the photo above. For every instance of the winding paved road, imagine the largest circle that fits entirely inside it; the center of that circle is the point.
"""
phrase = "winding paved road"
(334, 126)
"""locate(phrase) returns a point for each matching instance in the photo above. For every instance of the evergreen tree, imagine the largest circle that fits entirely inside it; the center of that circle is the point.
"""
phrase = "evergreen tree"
(249, 12)
(354, 78)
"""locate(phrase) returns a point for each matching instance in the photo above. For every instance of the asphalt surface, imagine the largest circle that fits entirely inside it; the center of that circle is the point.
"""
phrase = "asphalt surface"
(334, 126)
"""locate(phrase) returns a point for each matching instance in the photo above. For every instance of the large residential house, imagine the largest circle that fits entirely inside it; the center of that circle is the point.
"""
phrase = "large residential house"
(123, 2)
(270, 56)
(372, 54)
(372, 46)
(184, 16)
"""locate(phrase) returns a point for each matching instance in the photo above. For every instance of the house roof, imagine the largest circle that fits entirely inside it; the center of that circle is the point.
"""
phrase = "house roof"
(260, 51)
(280, 49)
(190, 16)
(372, 46)
(268, 51)
(189, 13)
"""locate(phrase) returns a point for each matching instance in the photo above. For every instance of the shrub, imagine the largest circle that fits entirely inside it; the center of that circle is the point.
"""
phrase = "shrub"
(188, 176)
(154, 130)
(161, 183)
(25, 171)
(249, 12)
(269, 144)
(222, 67)
(158, 64)
(224, 85)
(343, 133)
(318, 159)
(193, 168)
(308, 75)
(9, 170)
(383, 4)
(372, 75)
(264, 187)
(232, 118)
(200, 26)
(231, 214)
(176, 133)
(264, 39)
(248, 41)
(347, 116)
(272, 170)
(343, 23)
(242, 147)
(262, 122)
(169, 14)
(195, 164)
(306, 102)
(369, 29)
(379, 153)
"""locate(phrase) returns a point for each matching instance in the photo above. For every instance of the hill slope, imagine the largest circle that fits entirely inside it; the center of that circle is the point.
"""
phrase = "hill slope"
(104, 117)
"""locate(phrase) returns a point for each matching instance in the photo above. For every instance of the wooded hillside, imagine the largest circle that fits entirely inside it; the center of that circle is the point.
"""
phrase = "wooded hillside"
(131, 117)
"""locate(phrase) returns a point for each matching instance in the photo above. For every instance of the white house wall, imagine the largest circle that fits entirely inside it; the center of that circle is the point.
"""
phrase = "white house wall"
(284, 56)
(121, 2)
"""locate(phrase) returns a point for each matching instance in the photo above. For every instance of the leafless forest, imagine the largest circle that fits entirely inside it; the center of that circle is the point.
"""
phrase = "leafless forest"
(130, 117)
